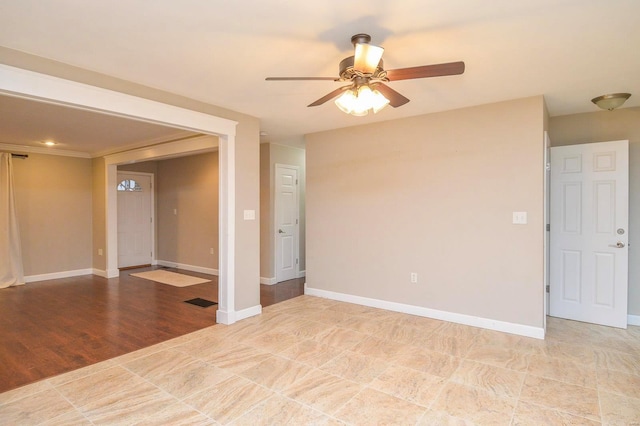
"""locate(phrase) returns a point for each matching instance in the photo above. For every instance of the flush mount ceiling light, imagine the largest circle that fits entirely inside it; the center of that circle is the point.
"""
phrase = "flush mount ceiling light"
(612, 101)
(366, 75)
(49, 143)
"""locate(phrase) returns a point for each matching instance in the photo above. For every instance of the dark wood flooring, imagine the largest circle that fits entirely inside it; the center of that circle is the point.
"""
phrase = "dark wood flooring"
(51, 327)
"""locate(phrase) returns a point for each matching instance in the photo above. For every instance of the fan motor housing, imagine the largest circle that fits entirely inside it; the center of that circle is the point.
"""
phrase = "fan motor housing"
(347, 72)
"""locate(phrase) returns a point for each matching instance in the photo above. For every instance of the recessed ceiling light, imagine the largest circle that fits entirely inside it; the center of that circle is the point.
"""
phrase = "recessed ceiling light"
(49, 143)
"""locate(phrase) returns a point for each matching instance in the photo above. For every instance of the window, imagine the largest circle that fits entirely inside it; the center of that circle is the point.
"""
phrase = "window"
(129, 185)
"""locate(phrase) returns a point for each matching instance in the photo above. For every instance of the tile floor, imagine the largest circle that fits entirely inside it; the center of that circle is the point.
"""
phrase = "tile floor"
(315, 361)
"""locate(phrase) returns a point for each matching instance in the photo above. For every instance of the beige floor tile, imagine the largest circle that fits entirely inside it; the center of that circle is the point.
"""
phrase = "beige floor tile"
(311, 352)
(581, 354)
(279, 410)
(379, 348)
(188, 379)
(327, 317)
(352, 309)
(323, 391)
(501, 381)
(410, 385)
(127, 406)
(339, 337)
(430, 362)
(237, 358)
(123, 359)
(177, 413)
(356, 367)
(457, 346)
(201, 348)
(368, 326)
(458, 330)
(576, 400)
(619, 383)
(24, 391)
(303, 329)
(403, 333)
(81, 372)
(511, 341)
(563, 371)
(70, 419)
(440, 418)
(534, 415)
(230, 399)
(378, 408)
(619, 410)
(500, 357)
(92, 388)
(276, 372)
(273, 341)
(35, 409)
(476, 405)
(618, 361)
(159, 364)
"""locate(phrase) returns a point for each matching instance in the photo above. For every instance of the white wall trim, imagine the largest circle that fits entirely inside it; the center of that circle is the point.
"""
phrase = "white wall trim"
(268, 281)
(99, 272)
(39, 87)
(193, 268)
(58, 275)
(506, 327)
(633, 319)
(44, 151)
(302, 273)
(248, 312)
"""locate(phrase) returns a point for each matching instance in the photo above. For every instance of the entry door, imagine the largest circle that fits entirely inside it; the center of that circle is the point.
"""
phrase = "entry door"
(590, 233)
(286, 207)
(134, 219)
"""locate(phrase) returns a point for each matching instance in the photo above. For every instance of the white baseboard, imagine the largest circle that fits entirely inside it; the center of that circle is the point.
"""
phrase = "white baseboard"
(506, 327)
(268, 281)
(100, 272)
(230, 317)
(58, 275)
(248, 312)
(633, 319)
(302, 274)
(186, 267)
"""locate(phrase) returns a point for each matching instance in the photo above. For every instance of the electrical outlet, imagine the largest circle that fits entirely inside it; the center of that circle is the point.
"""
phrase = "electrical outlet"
(211, 250)
(414, 277)
(99, 252)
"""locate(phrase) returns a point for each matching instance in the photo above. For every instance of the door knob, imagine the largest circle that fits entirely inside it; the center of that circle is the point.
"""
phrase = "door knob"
(619, 244)
(280, 231)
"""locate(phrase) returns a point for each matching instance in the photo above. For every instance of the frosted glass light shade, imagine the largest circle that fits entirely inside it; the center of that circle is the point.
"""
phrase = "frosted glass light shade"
(367, 57)
(612, 101)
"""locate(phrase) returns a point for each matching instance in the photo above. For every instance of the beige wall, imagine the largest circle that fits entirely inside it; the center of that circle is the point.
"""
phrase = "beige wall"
(54, 203)
(602, 126)
(99, 215)
(270, 155)
(434, 195)
(190, 186)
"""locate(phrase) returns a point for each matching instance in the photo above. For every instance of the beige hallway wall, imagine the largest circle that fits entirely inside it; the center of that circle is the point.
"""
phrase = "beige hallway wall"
(54, 202)
(190, 186)
(602, 126)
(434, 195)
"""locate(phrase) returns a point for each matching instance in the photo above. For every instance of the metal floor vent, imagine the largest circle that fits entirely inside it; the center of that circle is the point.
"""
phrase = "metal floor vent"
(204, 303)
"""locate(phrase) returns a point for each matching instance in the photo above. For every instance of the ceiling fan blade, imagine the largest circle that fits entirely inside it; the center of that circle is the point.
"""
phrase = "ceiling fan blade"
(436, 70)
(328, 96)
(395, 98)
(301, 78)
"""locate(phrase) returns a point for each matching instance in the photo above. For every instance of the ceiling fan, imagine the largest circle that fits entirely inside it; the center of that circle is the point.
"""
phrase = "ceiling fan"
(367, 77)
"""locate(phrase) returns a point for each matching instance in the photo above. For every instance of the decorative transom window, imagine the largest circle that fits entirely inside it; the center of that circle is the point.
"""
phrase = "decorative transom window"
(129, 185)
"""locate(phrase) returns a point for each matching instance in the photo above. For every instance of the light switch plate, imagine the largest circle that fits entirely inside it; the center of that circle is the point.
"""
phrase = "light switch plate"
(520, 218)
(249, 215)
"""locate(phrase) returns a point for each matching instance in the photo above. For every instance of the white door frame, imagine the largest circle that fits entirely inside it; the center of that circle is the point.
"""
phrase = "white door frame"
(546, 224)
(39, 87)
(153, 209)
(276, 221)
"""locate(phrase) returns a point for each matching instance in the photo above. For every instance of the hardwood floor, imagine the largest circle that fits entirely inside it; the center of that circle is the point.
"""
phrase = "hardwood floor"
(51, 327)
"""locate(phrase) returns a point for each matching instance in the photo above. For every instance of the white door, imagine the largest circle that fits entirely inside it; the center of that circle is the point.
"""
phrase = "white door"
(589, 232)
(286, 207)
(134, 219)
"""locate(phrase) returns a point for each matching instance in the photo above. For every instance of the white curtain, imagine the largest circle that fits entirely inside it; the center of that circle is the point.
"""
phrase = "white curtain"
(11, 270)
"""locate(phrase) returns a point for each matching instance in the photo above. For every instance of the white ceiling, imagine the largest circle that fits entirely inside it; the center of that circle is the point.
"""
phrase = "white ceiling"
(219, 52)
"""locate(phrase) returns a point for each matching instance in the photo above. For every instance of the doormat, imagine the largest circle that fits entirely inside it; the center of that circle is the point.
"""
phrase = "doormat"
(201, 302)
(171, 278)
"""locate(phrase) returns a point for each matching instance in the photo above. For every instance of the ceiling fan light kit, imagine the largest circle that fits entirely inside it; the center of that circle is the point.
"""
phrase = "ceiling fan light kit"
(366, 75)
(612, 101)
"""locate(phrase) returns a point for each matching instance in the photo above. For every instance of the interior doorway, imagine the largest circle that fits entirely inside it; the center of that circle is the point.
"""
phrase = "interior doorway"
(287, 222)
